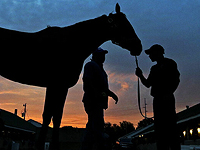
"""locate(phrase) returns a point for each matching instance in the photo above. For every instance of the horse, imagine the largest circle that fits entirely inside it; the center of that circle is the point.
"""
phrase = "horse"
(54, 57)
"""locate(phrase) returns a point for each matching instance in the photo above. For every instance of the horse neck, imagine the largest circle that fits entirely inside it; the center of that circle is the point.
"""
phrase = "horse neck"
(91, 33)
(101, 29)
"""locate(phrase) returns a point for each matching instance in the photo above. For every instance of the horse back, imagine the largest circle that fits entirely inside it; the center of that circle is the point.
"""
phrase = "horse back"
(37, 58)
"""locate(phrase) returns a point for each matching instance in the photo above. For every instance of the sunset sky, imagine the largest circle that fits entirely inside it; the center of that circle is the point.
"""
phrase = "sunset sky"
(174, 24)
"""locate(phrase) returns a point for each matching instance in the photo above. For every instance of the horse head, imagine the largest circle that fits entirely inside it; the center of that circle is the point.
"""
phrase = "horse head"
(123, 33)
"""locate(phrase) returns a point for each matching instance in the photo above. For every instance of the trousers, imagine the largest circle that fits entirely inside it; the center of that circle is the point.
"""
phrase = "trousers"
(165, 123)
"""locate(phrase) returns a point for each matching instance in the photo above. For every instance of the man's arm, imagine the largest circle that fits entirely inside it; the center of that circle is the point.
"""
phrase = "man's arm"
(144, 81)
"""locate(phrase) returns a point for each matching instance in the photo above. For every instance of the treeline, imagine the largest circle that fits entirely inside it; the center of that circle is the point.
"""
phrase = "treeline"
(115, 131)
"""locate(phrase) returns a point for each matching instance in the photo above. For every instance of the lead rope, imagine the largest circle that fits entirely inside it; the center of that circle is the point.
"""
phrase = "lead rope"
(138, 91)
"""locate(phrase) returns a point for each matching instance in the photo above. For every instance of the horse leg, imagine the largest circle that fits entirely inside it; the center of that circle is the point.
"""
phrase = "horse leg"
(54, 103)
(47, 115)
(57, 117)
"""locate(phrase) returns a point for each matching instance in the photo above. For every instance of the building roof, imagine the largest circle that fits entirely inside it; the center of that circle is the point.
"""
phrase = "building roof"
(183, 116)
(13, 121)
(189, 114)
(35, 123)
(136, 133)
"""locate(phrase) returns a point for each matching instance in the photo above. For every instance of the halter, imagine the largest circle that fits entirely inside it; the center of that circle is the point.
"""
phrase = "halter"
(112, 23)
(120, 33)
(113, 26)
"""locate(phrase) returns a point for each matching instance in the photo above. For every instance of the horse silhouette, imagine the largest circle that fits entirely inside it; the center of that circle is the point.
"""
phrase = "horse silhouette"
(54, 57)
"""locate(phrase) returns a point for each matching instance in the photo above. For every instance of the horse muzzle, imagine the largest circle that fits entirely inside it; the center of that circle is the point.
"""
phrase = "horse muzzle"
(131, 44)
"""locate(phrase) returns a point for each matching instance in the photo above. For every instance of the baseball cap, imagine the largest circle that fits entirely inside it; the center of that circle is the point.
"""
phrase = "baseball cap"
(155, 49)
(99, 50)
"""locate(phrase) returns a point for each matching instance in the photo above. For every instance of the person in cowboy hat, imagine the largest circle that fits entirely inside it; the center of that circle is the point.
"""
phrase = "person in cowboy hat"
(95, 99)
(163, 80)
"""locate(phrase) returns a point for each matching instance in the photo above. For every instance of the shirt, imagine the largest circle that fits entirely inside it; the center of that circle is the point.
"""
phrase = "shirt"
(164, 78)
(95, 81)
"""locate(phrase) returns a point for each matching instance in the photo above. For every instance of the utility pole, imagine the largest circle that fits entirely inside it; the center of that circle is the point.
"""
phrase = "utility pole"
(145, 108)
(24, 113)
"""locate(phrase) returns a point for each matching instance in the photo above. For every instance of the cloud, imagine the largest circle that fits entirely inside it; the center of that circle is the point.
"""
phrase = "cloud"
(5, 104)
(124, 86)
(75, 120)
(122, 81)
(34, 15)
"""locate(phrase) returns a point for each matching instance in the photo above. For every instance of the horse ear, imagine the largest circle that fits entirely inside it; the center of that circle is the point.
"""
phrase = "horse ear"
(117, 8)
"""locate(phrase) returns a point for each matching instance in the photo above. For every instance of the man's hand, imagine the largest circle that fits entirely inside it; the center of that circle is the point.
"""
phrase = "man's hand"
(113, 95)
(144, 81)
(138, 72)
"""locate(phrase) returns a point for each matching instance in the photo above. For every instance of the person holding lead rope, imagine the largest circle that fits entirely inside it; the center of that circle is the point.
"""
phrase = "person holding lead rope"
(163, 80)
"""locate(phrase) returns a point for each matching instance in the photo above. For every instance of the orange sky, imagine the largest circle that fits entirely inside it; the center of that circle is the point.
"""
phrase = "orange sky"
(13, 95)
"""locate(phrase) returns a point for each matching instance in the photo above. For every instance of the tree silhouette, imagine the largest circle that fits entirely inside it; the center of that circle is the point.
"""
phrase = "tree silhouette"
(116, 131)
(145, 122)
